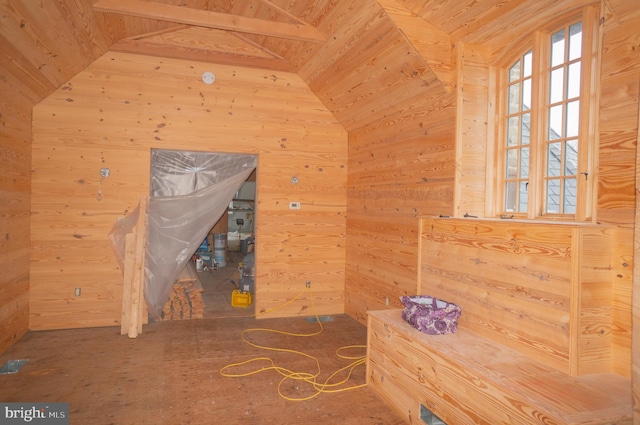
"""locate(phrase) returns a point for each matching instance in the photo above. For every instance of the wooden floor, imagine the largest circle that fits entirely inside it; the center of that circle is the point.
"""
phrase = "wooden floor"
(171, 373)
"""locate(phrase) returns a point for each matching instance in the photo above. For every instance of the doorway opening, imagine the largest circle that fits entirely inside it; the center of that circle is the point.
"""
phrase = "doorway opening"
(208, 204)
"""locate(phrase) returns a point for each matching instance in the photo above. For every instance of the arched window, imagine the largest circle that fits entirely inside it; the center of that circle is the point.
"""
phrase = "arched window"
(546, 136)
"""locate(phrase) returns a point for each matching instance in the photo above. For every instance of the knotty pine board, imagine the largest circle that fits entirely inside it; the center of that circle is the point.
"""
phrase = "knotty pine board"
(544, 289)
(467, 379)
(15, 190)
(114, 112)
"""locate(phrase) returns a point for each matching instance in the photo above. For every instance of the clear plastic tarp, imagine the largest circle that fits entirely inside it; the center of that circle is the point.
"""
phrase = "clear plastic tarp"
(190, 191)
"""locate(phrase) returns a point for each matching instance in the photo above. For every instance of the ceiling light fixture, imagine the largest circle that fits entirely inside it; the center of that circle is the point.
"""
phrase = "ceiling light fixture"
(208, 77)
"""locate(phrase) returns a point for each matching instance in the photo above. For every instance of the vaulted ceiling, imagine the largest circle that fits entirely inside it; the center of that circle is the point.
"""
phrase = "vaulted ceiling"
(338, 47)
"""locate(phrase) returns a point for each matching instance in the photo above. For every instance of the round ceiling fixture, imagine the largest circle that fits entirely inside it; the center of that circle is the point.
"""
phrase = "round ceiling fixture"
(208, 77)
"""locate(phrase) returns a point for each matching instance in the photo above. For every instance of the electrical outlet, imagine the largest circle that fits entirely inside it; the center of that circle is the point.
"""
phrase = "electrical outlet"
(77, 292)
(386, 301)
(294, 205)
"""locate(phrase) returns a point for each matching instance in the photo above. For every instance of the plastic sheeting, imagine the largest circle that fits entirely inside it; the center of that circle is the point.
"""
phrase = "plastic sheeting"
(190, 192)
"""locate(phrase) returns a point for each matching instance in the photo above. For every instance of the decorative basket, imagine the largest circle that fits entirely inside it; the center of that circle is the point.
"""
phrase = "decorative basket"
(431, 315)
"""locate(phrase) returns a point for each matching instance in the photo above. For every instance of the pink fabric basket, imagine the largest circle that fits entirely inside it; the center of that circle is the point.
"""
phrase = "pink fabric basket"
(431, 315)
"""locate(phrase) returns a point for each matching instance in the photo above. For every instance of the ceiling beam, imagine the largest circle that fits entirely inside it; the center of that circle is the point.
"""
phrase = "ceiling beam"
(209, 19)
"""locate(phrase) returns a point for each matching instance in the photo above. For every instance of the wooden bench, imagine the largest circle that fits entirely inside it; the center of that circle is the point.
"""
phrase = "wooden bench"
(465, 378)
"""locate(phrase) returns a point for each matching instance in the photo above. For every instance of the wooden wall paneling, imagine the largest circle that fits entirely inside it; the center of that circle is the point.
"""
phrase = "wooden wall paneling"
(433, 44)
(635, 296)
(616, 199)
(343, 25)
(472, 102)
(527, 285)
(15, 187)
(381, 264)
(114, 112)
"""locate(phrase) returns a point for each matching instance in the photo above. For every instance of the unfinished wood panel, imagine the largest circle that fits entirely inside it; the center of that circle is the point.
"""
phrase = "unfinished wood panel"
(544, 289)
(123, 105)
(15, 147)
(401, 165)
(617, 193)
(466, 379)
(472, 77)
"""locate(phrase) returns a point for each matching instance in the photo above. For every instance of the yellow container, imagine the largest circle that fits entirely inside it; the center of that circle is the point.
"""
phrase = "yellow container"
(241, 298)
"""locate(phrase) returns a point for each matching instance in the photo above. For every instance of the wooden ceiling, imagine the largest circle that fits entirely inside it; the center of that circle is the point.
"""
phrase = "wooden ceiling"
(337, 46)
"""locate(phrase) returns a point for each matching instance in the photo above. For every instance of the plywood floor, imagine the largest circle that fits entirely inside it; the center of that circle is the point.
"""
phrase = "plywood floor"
(171, 373)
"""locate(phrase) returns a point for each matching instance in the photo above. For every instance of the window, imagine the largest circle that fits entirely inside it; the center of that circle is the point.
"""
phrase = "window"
(545, 142)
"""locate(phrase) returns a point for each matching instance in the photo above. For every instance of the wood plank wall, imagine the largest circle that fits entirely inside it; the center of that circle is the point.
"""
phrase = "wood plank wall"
(543, 289)
(617, 193)
(114, 112)
(407, 161)
(15, 186)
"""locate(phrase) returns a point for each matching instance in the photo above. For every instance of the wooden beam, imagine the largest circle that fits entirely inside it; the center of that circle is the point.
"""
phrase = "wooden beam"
(209, 19)
(133, 283)
(143, 47)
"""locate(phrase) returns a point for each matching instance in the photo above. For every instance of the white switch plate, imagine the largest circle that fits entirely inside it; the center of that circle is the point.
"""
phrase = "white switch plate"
(294, 205)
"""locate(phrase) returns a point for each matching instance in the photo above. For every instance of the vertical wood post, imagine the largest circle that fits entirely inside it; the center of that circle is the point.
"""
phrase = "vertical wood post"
(133, 284)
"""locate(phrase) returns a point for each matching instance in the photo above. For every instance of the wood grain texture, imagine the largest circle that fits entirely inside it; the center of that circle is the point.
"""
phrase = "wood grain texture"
(543, 289)
(465, 378)
(113, 113)
(619, 97)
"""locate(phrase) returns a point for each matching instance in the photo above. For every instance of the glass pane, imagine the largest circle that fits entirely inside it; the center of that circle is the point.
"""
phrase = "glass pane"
(571, 158)
(510, 197)
(557, 48)
(512, 164)
(554, 153)
(528, 60)
(573, 118)
(524, 196)
(575, 41)
(524, 163)
(573, 80)
(514, 98)
(556, 86)
(514, 72)
(512, 131)
(553, 197)
(526, 94)
(526, 129)
(555, 122)
(569, 201)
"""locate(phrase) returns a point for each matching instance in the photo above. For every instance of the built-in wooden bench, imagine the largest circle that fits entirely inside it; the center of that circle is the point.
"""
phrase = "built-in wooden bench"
(534, 343)
(465, 378)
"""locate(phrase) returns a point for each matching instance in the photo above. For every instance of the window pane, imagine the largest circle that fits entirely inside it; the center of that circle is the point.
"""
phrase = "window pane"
(512, 131)
(514, 98)
(556, 86)
(573, 118)
(523, 199)
(514, 72)
(557, 48)
(553, 196)
(575, 41)
(554, 153)
(526, 94)
(569, 200)
(571, 158)
(512, 164)
(510, 197)
(573, 80)
(524, 163)
(555, 122)
(525, 132)
(528, 60)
